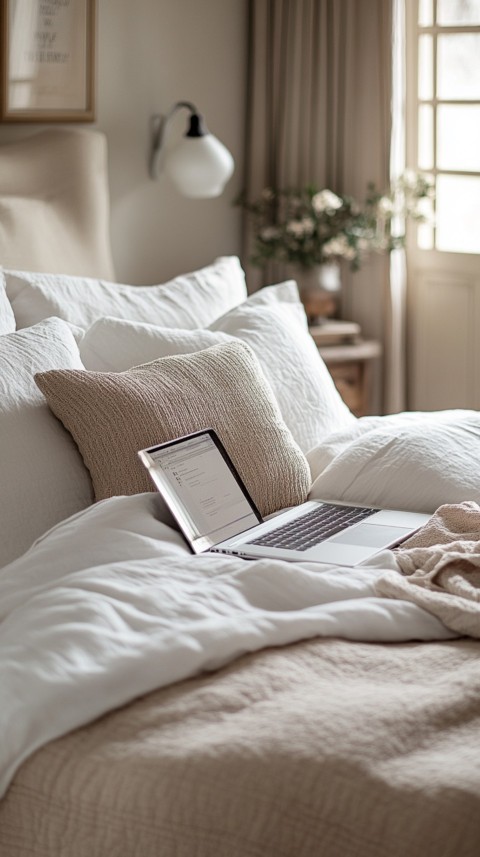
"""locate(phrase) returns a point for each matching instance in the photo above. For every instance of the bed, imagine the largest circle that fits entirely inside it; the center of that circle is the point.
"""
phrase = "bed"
(160, 704)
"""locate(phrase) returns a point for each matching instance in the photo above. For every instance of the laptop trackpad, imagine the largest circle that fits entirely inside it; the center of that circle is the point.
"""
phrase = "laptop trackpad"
(371, 535)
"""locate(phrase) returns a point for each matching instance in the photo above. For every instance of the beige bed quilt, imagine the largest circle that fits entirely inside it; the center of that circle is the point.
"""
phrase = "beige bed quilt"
(322, 749)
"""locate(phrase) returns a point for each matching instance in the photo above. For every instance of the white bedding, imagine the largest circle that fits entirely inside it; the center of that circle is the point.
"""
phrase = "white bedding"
(415, 461)
(110, 605)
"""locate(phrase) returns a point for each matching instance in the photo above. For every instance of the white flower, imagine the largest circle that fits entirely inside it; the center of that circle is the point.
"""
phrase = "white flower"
(385, 205)
(339, 247)
(308, 225)
(332, 247)
(326, 200)
(296, 228)
(270, 233)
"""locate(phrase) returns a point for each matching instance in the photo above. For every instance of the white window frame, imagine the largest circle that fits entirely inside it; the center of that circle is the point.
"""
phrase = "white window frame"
(413, 31)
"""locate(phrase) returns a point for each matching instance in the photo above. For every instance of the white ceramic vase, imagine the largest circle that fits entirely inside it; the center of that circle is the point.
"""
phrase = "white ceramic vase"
(319, 288)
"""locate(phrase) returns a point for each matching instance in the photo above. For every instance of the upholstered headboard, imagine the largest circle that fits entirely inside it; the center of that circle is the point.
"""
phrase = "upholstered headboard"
(54, 204)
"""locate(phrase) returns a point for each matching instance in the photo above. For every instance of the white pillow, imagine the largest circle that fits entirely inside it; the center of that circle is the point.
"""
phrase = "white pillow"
(415, 461)
(7, 318)
(189, 301)
(285, 293)
(43, 479)
(273, 323)
(114, 345)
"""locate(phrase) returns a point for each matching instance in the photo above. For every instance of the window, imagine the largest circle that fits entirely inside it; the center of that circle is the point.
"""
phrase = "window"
(445, 51)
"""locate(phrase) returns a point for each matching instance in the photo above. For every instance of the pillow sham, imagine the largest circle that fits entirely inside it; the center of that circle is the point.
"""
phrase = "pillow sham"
(7, 318)
(113, 415)
(309, 401)
(115, 345)
(412, 461)
(43, 477)
(273, 323)
(189, 301)
(112, 345)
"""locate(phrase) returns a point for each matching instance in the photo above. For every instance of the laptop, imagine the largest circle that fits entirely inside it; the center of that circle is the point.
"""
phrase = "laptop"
(214, 511)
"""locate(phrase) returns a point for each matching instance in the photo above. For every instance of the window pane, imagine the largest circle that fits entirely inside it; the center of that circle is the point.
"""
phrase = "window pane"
(458, 66)
(425, 137)
(457, 12)
(425, 67)
(425, 13)
(458, 135)
(425, 236)
(458, 214)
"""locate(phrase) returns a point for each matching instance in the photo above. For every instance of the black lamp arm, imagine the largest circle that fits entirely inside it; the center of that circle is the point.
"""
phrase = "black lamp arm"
(197, 128)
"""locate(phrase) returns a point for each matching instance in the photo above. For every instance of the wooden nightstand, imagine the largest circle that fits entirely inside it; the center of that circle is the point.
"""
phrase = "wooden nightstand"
(350, 366)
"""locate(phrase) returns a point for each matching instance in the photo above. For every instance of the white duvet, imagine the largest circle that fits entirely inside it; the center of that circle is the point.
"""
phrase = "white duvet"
(110, 604)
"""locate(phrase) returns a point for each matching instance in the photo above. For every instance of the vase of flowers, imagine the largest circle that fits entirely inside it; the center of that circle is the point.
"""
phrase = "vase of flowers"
(311, 231)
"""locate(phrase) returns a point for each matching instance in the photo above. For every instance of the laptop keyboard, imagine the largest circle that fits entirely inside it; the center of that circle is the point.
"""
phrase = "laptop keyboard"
(309, 530)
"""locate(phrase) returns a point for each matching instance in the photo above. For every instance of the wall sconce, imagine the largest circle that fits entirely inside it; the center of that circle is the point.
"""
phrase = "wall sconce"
(199, 165)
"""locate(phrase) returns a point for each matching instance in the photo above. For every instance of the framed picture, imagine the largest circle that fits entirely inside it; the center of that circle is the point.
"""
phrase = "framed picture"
(48, 61)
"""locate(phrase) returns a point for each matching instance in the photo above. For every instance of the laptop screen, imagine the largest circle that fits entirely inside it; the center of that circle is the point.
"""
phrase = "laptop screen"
(202, 488)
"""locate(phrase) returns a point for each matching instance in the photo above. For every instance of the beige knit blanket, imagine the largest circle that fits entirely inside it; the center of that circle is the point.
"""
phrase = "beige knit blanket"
(441, 564)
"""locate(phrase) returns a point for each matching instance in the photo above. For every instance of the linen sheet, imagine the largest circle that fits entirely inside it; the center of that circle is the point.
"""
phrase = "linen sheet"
(110, 605)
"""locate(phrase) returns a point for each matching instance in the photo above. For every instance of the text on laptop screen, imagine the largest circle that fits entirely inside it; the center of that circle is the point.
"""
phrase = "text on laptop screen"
(212, 502)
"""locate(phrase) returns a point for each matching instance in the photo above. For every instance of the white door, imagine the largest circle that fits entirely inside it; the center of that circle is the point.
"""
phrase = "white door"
(443, 257)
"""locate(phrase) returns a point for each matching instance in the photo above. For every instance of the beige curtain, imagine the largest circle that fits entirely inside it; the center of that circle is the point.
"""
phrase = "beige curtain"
(319, 110)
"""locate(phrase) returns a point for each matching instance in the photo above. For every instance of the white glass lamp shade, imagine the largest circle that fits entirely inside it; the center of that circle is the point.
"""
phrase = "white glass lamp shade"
(199, 167)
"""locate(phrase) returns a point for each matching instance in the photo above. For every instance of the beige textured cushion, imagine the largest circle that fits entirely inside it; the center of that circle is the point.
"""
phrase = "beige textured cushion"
(113, 415)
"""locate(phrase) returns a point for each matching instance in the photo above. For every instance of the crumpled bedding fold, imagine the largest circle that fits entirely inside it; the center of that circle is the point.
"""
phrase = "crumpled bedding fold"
(440, 565)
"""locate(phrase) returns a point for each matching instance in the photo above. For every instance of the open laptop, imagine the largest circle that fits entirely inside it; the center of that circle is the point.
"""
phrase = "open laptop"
(203, 490)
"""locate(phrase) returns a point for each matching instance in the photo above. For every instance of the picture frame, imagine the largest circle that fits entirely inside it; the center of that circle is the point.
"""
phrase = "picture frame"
(48, 60)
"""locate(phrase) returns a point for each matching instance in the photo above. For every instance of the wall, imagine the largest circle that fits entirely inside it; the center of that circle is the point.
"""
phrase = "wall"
(150, 54)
